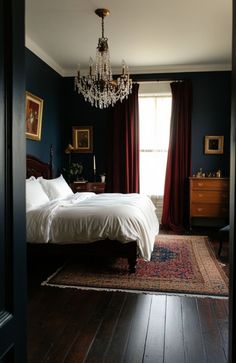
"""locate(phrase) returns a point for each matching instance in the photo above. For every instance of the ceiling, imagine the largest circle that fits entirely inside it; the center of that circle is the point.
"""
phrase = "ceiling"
(151, 36)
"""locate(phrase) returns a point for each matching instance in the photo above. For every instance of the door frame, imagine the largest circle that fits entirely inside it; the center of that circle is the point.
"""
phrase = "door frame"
(13, 293)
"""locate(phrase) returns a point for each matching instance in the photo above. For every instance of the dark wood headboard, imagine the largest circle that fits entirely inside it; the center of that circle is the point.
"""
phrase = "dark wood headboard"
(36, 167)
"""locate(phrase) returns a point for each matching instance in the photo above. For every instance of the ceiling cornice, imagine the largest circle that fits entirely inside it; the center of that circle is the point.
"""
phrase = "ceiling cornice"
(133, 70)
(31, 45)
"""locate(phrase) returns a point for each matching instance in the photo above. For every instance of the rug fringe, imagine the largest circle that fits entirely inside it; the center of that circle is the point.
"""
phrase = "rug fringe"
(46, 283)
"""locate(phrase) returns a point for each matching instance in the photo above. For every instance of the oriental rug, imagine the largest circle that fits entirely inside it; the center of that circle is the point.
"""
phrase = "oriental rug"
(179, 264)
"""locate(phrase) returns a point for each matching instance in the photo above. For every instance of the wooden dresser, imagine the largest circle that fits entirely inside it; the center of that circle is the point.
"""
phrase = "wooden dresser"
(95, 187)
(209, 197)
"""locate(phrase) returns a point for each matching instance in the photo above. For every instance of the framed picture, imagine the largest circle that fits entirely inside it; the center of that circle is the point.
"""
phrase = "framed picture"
(214, 144)
(33, 114)
(82, 137)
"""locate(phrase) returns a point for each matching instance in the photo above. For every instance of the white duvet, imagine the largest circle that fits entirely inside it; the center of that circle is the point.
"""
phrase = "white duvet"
(89, 217)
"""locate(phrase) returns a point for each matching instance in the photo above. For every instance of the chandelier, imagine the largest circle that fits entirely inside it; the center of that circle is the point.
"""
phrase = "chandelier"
(98, 87)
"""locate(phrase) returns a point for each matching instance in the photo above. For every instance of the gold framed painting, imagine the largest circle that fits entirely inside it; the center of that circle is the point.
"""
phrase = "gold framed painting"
(214, 145)
(33, 114)
(82, 137)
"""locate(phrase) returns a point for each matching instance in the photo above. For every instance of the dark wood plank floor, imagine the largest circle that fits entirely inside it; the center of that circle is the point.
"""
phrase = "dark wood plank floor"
(68, 325)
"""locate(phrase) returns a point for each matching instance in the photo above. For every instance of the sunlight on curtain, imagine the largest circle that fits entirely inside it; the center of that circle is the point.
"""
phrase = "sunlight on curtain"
(154, 114)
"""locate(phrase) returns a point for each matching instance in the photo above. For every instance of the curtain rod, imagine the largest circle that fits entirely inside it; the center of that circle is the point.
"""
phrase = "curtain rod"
(161, 81)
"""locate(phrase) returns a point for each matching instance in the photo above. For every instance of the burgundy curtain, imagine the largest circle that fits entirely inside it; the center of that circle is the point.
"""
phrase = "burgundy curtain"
(124, 146)
(175, 214)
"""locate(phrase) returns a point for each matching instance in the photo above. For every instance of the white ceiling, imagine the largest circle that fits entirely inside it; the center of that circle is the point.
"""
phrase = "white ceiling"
(151, 35)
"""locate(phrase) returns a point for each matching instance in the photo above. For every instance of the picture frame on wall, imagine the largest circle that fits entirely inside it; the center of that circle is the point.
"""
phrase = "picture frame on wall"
(82, 137)
(33, 114)
(214, 145)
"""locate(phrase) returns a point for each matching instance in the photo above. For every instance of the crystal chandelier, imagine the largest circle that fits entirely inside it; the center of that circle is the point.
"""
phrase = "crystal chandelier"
(99, 87)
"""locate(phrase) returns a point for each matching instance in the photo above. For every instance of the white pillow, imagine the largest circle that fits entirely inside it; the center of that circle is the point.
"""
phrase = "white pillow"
(31, 178)
(35, 195)
(56, 188)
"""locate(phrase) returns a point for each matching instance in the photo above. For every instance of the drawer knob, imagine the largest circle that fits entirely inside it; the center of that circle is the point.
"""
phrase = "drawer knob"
(200, 195)
(199, 209)
(200, 184)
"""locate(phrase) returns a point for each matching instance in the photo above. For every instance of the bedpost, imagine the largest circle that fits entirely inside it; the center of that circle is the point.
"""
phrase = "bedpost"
(132, 256)
(51, 160)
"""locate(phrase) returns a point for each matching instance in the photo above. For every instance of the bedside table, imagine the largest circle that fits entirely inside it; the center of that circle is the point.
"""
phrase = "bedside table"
(95, 187)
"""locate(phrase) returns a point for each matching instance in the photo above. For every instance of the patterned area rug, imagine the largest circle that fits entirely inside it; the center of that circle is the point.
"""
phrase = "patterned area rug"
(179, 264)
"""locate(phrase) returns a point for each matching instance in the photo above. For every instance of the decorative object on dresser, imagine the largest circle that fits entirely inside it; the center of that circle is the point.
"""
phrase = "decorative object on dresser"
(33, 112)
(82, 137)
(103, 177)
(75, 170)
(85, 186)
(209, 197)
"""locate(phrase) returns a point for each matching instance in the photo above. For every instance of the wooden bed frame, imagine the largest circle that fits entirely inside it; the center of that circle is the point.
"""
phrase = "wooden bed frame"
(36, 167)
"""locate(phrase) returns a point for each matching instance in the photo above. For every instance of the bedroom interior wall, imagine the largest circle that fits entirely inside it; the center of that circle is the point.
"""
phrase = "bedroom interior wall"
(64, 108)
(81, 113)
(210, 116)
(44, 82)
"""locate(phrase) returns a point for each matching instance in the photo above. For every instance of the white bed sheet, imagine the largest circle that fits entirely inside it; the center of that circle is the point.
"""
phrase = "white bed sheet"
(89, 217)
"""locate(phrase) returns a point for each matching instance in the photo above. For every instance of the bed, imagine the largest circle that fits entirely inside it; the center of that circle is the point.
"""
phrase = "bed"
(114, 223)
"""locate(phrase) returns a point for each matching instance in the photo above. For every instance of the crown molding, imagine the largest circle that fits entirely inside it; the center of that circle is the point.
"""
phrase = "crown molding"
(133, 70)
(179, 68)
(163, 69)
(31, 45)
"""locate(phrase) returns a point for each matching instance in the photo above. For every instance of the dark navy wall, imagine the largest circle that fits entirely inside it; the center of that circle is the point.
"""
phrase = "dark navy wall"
(79, 112)
(44, 82)
(64, 108)
(210, 116)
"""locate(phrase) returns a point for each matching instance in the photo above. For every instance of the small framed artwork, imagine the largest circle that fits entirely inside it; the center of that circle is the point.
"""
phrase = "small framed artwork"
(82, 137)
(214, 144)
(33, 114)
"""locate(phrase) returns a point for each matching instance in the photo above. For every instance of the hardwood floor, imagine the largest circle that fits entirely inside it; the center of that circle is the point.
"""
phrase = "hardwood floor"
(67, 325)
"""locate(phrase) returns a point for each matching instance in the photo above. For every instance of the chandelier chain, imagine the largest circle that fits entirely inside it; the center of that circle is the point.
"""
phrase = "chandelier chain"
(102, 26)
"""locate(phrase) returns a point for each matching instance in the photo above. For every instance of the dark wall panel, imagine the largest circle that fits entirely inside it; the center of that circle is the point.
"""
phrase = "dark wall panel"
(211, 116)
(79, 112)
(44, 82)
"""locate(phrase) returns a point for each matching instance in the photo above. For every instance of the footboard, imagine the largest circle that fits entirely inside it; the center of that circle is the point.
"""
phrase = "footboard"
(94, 250)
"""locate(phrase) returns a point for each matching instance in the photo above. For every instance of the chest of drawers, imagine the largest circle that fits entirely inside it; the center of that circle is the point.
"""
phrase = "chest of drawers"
(209, 197)
(95, 187)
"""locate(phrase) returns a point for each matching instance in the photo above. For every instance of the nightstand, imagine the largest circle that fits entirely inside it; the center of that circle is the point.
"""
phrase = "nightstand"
(95, 187)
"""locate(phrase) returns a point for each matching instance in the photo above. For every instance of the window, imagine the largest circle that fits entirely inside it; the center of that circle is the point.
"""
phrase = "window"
(154, 114)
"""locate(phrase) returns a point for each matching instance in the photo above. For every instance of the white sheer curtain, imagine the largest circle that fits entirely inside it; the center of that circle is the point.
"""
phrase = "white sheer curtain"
(154, 118)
